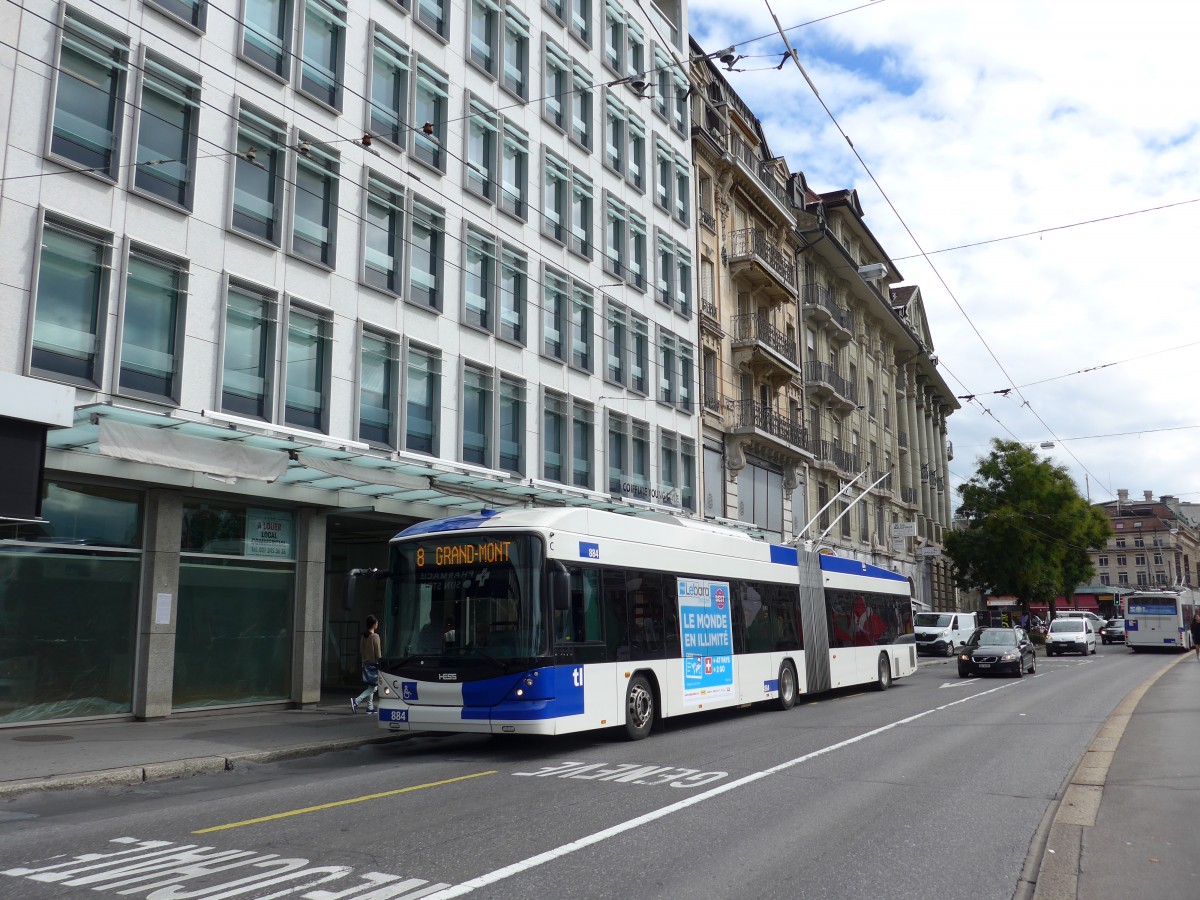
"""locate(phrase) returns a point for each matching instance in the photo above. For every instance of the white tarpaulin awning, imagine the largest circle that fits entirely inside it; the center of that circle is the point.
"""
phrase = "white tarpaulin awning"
(165, 447)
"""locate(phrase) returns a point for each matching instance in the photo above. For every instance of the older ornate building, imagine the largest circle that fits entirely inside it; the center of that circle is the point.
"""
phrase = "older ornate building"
(815, 375)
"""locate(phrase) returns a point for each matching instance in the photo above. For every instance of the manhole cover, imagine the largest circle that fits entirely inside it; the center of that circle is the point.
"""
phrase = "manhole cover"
(43, 738)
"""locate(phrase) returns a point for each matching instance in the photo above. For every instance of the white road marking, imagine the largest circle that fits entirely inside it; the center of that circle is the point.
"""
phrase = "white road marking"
(620, 828)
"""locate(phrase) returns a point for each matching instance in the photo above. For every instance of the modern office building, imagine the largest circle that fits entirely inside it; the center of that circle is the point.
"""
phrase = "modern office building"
(282, 277)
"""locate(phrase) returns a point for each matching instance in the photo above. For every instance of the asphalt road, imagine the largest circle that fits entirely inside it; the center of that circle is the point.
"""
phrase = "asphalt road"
(936, 787)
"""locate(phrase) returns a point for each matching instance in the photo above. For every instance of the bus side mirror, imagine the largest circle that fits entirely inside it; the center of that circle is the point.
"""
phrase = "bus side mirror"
(560, 588)
(352, 578)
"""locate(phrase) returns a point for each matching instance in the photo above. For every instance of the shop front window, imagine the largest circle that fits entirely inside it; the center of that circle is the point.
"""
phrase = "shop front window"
(236, 587)
(68, 606)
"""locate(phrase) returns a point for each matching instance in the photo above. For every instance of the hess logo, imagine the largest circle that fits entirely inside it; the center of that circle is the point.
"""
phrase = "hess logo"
(448, 676)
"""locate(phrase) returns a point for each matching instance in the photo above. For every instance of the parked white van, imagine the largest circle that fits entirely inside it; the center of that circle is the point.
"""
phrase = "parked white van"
(943, 632)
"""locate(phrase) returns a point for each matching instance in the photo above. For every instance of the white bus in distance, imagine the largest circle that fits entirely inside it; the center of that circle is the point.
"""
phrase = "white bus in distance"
(551, 621)
(1160, 619)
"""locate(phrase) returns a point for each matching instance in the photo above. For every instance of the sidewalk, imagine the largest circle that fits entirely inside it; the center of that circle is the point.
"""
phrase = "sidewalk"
(1125, 825)
(88, 754)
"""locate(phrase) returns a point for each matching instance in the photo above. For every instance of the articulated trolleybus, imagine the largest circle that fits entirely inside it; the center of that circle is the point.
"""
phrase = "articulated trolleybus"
(551, 621)
(1160, 619)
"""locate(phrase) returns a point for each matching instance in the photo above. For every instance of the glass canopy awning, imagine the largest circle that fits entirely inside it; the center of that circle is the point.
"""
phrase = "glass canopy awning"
(229, 448)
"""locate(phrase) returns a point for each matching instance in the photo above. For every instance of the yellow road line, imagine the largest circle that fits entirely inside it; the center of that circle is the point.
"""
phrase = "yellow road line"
(308, 809)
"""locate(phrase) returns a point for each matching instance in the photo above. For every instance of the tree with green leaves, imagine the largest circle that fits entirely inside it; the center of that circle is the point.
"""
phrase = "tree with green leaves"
(1023, 528)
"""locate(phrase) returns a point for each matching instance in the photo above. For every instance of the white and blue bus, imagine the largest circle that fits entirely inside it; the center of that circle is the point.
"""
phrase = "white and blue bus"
(1160, 619)
(551, 621)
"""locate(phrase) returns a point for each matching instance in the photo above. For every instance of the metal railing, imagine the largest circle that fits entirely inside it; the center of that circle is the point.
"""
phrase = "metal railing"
(820, 295)
(751, 413)
(753, 242)
(754, 327)
(823, 372)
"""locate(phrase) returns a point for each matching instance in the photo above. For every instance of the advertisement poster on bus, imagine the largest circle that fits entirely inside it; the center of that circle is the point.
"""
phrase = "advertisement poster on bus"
(706, 627)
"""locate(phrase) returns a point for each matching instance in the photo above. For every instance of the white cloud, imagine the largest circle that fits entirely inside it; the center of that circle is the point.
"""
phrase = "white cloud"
(982, 121)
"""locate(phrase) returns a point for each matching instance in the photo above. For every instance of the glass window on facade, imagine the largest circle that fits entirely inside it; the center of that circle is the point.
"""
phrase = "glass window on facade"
(236, 586)
(72, 294)
(477, 416)
(389, 88)
(515, 76)
(511, 436)
(687, 474)
(265, 34)
(479, 281)
(314, 220)
(618, 452)
(556, 68)
(639, 361)
(68, 605)
(554, 438)
(246, 386)
(581, 214)
(383, 244)
(514, 172)
(152, 325)
(514, 299)
(485, 18)
(617, 337)
(483, 138)
(614, 38)
(639, 462)
(427, 247)
(190, 12)
(635, 274)
(583, 437)
(378, 371)
(89, 97)
(166, 141)
(636, 159)
(422, 400)
(434, 15)
(554, 316)
(258, 177)
(429, 109)
(583, 328)
(307, 370)
(322, 51)
(581, 107)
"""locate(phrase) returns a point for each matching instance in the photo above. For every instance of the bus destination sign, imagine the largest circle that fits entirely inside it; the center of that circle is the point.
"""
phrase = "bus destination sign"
(463, 554)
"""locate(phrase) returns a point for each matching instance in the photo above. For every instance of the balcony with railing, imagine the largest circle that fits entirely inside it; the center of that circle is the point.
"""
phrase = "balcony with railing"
(759, 171)
(754, 258)
(774, 433)
(909, 495)
(821, 379)
(821, 308)
(902, 440)
(763, 348)
(885, 484)
(707, 219)
(712, 400)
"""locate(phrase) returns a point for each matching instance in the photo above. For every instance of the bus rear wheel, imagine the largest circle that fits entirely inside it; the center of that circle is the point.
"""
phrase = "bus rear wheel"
(787, 686)
(885, 673)
(639, 708)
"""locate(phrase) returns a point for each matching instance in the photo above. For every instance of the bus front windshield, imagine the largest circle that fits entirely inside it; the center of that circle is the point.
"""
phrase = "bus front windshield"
(467, 595)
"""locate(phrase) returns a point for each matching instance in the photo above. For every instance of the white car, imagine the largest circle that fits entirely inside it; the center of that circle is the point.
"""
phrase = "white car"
(1068, 635)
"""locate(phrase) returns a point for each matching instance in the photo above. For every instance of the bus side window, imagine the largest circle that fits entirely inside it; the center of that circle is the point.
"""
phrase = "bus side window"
(615, 601)
(580, 621)
(646, 615)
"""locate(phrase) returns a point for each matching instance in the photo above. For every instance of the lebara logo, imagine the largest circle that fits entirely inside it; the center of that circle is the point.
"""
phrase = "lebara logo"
(719, 597)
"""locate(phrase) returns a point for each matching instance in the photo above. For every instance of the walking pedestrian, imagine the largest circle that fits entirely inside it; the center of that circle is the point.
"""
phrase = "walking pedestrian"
(370, 651)
(1196, 634)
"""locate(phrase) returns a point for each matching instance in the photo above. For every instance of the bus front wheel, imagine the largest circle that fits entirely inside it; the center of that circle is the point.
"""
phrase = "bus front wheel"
(787, 686)
(885, 673)
(639, 708)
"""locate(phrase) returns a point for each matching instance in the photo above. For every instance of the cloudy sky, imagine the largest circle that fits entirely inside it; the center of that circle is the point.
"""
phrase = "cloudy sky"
(1062, 140)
